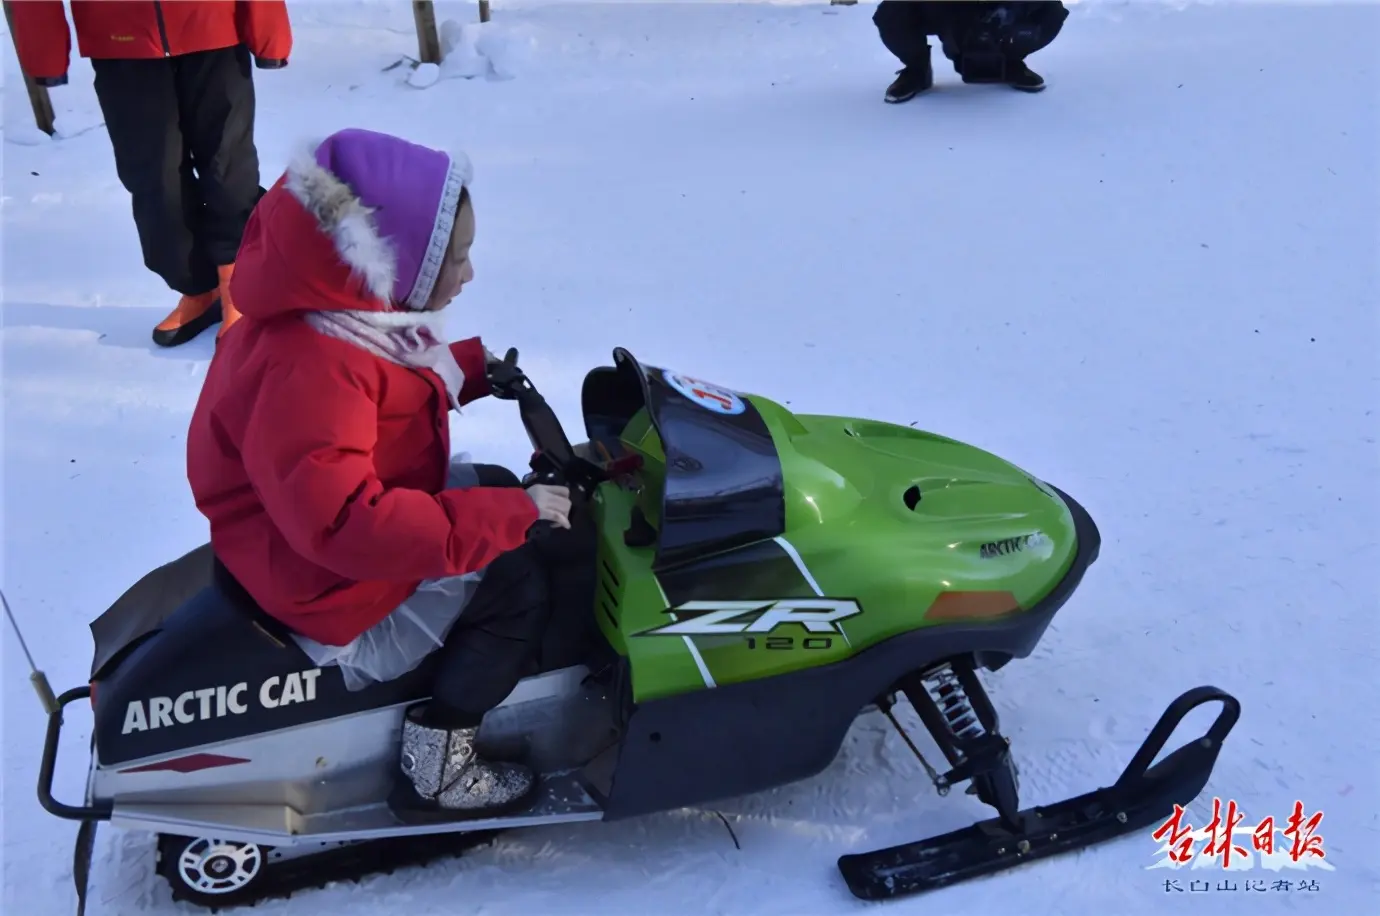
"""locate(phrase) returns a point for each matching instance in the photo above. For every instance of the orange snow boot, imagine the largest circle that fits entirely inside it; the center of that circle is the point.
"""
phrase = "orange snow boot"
(193, 315)
(229, 314)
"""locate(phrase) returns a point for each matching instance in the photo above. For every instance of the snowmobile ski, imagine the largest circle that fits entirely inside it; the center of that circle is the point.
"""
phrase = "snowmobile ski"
(81, 862)
(1144, 795)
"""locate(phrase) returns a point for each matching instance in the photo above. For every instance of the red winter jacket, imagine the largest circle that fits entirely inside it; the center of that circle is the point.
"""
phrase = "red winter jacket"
(138, 29)
(322, 467)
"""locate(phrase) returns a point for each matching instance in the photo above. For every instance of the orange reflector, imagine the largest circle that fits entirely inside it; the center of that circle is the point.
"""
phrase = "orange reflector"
(951, 606)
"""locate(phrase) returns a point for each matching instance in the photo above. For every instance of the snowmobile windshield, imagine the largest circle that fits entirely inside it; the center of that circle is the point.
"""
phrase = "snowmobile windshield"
(705, 447)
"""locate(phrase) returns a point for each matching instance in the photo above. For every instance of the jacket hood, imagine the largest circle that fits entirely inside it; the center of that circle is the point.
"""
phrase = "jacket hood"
(360, 222)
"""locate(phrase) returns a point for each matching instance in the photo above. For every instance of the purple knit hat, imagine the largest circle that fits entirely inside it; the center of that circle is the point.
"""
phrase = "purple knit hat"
(389, 206)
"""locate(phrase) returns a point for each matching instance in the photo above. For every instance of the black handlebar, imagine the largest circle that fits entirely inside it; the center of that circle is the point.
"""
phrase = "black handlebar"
(554, 460)
(509, 383)
(506, 380)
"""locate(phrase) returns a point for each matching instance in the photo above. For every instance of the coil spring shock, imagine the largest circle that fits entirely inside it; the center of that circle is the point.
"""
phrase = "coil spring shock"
(947, 692)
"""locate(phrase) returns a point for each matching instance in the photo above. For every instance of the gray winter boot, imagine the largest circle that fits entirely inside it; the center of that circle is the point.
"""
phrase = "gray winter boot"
(446, 780)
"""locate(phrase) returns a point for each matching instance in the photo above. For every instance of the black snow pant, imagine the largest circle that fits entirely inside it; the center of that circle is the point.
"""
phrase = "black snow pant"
(904, 27)
(544, 588)
(183, 133)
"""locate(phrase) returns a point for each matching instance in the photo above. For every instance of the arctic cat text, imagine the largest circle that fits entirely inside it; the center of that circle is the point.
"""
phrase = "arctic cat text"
(195, 705)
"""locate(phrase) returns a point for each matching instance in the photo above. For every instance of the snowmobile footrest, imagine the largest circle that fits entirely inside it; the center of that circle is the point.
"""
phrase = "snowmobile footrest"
(1144, 795)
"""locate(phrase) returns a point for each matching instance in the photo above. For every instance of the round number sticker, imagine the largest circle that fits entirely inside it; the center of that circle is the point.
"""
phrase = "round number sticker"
(706, 394)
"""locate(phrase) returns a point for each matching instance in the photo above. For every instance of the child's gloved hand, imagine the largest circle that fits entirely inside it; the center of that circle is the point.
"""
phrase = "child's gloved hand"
(553, 503)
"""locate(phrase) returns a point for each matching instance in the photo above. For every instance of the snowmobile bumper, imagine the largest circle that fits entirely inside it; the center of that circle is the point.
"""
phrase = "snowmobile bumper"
(99, 811)
(89, 815)
(1143, 796)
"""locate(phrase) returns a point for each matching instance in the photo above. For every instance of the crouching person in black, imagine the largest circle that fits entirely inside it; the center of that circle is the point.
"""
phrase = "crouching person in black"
(987, 42)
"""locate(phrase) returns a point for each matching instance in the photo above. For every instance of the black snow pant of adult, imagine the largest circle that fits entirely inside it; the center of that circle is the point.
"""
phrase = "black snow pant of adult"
(904, 27)
(544, 588)
(183, 133)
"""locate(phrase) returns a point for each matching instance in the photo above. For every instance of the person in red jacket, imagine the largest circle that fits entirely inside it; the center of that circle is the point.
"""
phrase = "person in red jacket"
(175, 86)
(319, 451)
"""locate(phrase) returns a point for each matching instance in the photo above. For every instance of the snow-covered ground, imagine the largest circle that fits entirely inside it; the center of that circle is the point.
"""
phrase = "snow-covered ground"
(1155, 285)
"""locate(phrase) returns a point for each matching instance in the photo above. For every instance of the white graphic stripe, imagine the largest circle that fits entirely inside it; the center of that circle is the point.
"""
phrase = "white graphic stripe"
(804, 571)
(689, 643)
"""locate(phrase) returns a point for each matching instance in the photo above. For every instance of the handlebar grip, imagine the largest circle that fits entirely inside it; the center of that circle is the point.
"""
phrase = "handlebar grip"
(544, 472)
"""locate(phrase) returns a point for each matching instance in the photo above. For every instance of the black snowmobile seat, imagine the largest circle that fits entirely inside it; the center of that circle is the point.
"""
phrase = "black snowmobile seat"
(214, 669)
(141, 610)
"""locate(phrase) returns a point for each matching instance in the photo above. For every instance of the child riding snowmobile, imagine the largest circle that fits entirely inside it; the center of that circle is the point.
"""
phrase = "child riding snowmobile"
(319, 452)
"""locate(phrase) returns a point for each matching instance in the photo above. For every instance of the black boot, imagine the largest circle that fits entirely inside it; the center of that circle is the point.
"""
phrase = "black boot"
(1019, 76)
(444, 779)
(911, 80)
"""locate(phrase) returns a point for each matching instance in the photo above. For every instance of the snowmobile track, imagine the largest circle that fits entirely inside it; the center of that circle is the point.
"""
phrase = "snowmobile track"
(354, 862)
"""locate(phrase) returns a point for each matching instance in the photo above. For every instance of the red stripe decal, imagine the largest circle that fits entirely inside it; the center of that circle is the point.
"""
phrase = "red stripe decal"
(189, 764)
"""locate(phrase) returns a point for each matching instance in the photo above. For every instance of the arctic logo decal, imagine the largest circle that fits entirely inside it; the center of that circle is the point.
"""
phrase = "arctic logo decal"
(1037, 542)
(820, 617)
(706, 394)
(215, 702)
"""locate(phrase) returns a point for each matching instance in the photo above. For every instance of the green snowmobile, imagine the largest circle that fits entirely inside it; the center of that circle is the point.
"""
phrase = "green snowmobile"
(762, 579)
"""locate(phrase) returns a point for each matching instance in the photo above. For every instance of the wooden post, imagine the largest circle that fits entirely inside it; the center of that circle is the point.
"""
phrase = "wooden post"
(428, 42)
(38, 95)
(484, 10)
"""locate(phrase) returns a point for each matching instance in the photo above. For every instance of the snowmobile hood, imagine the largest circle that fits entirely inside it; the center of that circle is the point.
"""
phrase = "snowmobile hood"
(932, 516)
(892, 516)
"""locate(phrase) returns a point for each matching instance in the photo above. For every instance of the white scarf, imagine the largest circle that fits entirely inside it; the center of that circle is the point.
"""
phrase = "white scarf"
(412, 339)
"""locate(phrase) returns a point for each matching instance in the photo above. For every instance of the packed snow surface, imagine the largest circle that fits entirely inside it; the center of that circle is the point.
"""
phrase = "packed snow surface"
(1155, 286)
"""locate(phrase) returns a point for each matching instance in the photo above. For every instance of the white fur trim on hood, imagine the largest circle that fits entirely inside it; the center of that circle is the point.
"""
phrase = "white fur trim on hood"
(350, 224)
